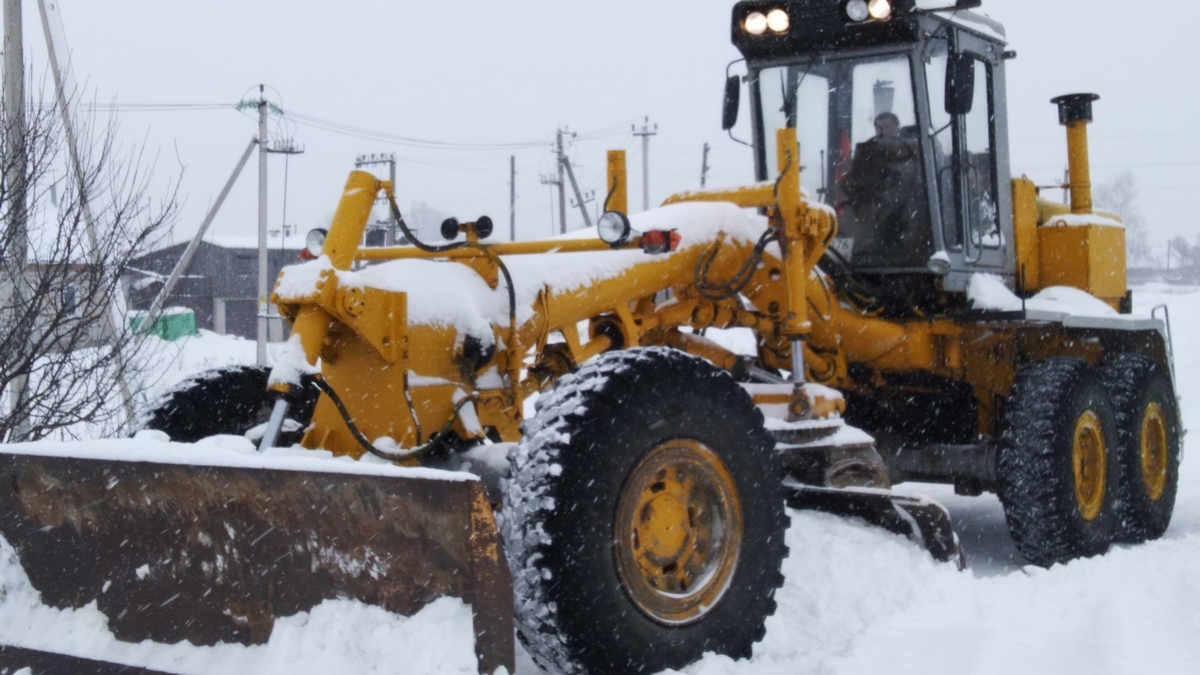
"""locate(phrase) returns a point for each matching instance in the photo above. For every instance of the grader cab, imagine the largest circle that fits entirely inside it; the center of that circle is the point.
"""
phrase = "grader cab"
(544, 426)
(982, 334)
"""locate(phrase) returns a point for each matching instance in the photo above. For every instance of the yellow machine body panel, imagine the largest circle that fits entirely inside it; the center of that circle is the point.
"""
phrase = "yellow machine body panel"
(1055, 247)
(1088, 257)
(1025, 234)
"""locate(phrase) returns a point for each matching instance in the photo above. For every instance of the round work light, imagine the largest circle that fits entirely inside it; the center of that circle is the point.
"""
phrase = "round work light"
(857, 10)
(314, 241)
(613, 228)
(755, 23)
(778, 20)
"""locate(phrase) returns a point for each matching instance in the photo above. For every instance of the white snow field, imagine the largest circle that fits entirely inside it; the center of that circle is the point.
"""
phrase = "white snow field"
(856, 600)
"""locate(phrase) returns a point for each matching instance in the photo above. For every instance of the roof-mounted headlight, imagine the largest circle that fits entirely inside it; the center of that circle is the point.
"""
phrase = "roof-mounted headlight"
(613, 228)
(778, 20)
(880, 10)
(755, 23)
(857, 10)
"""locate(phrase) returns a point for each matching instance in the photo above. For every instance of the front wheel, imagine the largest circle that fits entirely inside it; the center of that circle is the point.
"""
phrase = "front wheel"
(644, 520)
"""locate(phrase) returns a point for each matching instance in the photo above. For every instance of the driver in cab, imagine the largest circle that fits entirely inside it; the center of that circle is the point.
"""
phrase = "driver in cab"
(884, 184)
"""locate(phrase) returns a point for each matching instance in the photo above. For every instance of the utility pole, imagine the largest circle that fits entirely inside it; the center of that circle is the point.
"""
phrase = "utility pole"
(286, 147)
(562, 189)
(262, 227)
(580, 201)
(559, 183)
(704, 168)
(14, 130)
(390, 160)
(564, 167)
(646, 132)
(512, 197)
(64, 86)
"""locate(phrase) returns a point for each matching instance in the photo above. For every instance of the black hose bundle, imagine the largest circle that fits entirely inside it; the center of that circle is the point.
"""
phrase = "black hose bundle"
(366, 444)
(728, 289)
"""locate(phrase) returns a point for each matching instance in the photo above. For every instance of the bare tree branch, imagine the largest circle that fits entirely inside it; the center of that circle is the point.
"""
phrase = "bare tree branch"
(55, 332)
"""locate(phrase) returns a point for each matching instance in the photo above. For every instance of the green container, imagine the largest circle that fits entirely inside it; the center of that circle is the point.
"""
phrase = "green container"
(172, 324)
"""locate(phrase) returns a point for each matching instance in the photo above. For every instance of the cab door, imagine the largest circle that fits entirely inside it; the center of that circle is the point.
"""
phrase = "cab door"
(971, 163)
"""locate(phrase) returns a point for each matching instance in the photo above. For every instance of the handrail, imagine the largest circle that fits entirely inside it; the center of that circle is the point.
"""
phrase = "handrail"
(1170, 339)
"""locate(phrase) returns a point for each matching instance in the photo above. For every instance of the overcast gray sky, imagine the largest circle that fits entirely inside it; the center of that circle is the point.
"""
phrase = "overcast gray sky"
(478, 71)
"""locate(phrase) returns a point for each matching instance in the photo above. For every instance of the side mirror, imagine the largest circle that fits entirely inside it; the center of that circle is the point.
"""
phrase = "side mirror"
(960, 84)
(733, 100)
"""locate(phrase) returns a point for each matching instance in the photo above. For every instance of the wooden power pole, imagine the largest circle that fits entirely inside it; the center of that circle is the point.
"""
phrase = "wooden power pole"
(14, 181)
(646, 132)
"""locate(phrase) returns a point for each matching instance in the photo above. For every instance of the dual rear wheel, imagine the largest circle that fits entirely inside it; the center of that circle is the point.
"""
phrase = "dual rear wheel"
(1089, 456)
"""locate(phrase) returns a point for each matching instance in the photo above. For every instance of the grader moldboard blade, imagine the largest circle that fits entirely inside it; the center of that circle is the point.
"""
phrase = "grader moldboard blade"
(925, 522)
(210, 554)
(33, 662)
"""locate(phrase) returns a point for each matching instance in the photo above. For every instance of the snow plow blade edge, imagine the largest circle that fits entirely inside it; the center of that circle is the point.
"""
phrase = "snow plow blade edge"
(925, 522)
(215, 554)
(13, 659)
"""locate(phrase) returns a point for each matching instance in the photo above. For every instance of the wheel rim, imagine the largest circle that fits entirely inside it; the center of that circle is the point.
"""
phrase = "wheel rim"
(1090, 463)
(1154, 451)
(679, 532)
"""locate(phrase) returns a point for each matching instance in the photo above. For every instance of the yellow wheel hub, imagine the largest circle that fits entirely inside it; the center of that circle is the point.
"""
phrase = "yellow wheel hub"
(678, 531)
(1154, 451)
(1090, 462)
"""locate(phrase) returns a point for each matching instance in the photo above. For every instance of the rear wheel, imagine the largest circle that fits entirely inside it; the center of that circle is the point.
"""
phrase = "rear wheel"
(644, 520)
(230, 400)
(1057, 465)
(1149, 445)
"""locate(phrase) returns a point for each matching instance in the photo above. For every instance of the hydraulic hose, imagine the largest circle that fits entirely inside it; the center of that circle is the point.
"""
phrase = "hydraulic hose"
(740, 279)
(366, 444)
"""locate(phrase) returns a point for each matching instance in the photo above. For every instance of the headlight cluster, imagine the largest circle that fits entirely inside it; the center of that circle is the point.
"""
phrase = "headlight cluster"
(758, 23)
(874, 10)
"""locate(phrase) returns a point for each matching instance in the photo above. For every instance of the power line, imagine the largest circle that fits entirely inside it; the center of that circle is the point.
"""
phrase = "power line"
(154, 107)
(1102, 137)
(409, 141)
(361, 132)
(1146, 165)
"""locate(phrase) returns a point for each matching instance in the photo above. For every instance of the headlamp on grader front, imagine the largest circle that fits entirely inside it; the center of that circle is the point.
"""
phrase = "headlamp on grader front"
(613, 228)
(314, 243)
(480, 229)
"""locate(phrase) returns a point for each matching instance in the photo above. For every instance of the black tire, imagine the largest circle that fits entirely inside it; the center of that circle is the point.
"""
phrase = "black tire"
(1052, 515)
(571, 474)
(1146, 412)
(226, 401)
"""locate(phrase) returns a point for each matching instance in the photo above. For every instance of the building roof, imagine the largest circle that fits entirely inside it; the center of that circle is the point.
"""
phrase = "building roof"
(293, 242)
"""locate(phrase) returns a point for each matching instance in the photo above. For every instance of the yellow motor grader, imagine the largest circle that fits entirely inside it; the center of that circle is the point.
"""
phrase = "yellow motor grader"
(917, 314)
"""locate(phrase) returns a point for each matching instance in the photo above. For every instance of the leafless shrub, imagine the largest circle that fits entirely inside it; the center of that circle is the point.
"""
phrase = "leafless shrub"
(65, 343)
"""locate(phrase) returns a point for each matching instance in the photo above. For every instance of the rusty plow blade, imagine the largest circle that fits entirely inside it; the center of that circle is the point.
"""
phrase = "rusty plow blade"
(923, 521)
(210, 554)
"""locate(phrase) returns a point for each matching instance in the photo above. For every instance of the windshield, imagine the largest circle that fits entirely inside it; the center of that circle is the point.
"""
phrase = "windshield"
(860, 151)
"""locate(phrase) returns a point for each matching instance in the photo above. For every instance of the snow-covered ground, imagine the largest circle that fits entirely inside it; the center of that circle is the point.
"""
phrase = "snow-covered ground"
(855, 600)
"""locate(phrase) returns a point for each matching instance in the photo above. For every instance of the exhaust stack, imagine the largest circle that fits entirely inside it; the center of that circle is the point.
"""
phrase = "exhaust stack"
(1075, 112)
